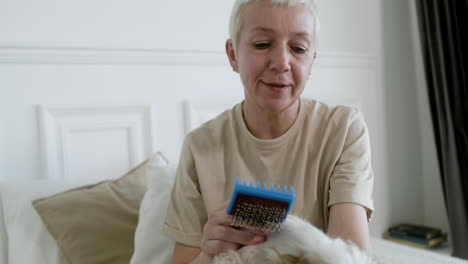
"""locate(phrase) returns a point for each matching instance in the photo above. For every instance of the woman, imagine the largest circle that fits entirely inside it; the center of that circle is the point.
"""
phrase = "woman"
(273, 136)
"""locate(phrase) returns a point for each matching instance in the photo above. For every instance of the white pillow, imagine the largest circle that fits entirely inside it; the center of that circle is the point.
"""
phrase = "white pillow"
(151, 246)
(28, 238)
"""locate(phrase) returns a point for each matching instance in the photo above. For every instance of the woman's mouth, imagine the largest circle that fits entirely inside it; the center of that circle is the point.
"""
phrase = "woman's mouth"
(276, 87)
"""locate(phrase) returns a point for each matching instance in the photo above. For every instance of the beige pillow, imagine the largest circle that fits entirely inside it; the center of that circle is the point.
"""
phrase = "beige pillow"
(96, 223)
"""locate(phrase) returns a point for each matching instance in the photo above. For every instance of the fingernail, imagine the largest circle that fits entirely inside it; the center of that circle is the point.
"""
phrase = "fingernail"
(259, 239)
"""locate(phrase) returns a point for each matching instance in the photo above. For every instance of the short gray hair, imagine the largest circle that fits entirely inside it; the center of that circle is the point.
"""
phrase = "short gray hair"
(235, 23)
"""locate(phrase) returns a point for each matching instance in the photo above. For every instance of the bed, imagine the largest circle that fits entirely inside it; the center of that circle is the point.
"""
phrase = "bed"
(73, 221)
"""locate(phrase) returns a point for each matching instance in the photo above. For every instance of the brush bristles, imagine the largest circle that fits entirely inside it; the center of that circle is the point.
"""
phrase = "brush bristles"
(257, 214)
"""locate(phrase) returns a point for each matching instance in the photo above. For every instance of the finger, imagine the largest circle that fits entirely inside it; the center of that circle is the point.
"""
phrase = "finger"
(223, 205)
(254, 231)
(215, 247)
(229, 234)
(220, 217)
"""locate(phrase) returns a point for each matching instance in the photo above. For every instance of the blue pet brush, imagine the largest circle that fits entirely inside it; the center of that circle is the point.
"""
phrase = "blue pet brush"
(257, 208)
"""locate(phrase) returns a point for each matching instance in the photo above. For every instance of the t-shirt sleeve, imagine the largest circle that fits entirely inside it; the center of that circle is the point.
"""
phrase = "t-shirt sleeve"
(186, 214)
(352, 177)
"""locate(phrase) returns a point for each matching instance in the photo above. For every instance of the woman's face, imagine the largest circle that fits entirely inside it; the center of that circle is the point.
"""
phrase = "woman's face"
(274, 55)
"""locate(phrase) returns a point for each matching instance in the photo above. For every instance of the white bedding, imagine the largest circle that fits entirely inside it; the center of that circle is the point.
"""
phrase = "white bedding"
(24, 239)
(390, 252)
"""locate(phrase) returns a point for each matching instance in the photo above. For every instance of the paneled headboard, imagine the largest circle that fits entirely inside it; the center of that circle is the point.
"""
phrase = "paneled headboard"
(104, 141)
(94, 142)
(94, 91)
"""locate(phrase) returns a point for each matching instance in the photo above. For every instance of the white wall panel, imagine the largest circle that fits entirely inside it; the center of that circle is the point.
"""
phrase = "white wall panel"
(94, 142)
(197, 113)
(3, 159)
(349, 26)
(115, 24)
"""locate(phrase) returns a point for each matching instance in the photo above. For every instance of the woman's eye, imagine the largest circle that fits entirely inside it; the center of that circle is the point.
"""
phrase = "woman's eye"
(262, 45)
(299, 50)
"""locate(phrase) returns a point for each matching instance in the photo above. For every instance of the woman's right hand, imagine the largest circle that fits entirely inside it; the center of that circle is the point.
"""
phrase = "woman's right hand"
(219, 236)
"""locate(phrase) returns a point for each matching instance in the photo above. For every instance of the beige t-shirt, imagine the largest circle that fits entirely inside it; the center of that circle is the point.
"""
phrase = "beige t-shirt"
(325, 156)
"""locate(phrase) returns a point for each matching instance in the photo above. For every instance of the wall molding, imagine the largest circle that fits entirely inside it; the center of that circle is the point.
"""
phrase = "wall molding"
(58, 125)
(196, 112)
(112, 56)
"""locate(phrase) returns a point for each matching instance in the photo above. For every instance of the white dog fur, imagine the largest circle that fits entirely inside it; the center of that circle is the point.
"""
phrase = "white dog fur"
(297, 242)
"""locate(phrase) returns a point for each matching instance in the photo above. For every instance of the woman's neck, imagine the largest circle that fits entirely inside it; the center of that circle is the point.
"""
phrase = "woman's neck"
(269, 125)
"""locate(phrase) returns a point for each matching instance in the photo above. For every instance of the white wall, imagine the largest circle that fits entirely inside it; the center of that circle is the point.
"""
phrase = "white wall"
(158, 55)
(434, 206)
(2, 153)
(404, 159)
(414, 178)
(111, 53)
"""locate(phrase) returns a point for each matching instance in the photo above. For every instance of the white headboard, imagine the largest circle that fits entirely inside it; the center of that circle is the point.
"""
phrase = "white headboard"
(94, 91)
(94, 142)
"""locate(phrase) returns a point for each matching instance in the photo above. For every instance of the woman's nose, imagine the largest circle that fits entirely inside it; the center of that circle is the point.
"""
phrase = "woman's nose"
(280, 59)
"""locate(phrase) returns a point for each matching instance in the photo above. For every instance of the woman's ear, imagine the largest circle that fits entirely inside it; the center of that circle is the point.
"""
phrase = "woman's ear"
(231, 53)
(314, 56)
(312, 63)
